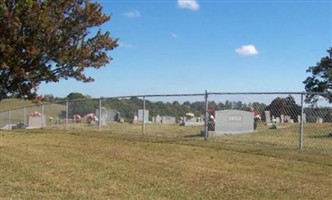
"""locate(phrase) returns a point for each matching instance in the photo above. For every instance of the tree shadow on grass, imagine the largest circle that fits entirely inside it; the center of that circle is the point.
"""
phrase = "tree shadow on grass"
(194, 135)
(327, 135)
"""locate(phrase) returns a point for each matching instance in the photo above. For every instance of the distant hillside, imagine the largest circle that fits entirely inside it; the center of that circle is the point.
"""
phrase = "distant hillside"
(7, 104)
(19, 114)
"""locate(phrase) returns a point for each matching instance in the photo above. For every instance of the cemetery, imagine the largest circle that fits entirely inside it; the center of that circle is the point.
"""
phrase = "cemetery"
(107, 116)
(172, 142)
(164, 120)
(36, 120)
(191, 120)
(233, 122)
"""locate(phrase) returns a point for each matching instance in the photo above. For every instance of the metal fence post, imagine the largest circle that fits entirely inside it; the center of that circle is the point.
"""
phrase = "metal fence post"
(99, 122)
(66, 121)
(206, 131)
(301, 124)
(143, 123)
(0, 114)
(42, 115)
(9, 119)
(25, 116)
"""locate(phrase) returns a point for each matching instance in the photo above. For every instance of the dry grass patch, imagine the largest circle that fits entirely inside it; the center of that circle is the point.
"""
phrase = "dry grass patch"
(85, 164)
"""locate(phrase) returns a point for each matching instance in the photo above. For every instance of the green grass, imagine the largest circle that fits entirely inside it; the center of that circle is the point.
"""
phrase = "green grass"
(168, 162)
(7, 104)
(315, 136)
(21, 109)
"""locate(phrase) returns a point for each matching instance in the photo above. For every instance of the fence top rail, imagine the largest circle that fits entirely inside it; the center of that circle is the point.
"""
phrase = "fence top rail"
(171, 95)
(160, 95)
(267, 93)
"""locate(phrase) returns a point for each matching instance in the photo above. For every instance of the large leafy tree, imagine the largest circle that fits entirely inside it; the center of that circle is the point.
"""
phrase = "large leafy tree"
(75, 95)
(284, 106)
(321, 79)
(47, 40)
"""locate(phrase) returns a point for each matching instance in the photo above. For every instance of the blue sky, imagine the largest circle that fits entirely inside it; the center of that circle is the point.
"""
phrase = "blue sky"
(188, 46)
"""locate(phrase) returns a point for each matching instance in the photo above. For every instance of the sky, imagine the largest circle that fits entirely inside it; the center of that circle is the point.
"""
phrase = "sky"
(189, 46)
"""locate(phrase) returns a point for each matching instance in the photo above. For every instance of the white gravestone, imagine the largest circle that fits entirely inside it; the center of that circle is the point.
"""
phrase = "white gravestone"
(140, 115)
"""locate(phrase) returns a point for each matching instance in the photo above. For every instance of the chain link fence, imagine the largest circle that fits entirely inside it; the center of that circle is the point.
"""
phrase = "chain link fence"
(280, 119)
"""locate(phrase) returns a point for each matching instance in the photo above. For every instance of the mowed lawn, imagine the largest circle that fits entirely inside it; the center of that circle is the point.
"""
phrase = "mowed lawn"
(87, 164)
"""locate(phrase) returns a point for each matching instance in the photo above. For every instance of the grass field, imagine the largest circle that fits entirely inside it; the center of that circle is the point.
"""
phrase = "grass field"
(168, 162)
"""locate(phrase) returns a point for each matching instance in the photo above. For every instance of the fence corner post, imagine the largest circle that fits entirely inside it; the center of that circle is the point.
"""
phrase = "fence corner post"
(66, 121)
(143, 121)
(206, 131)
(99, 121)
(301, 124)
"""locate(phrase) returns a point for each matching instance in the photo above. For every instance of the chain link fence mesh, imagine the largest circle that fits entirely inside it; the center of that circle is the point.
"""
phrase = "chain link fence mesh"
(279, 119)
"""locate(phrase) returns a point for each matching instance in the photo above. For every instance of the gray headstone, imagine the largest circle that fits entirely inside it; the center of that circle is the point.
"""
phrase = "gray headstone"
(135, 119)
(282, 118)
(191, 119)
(108, 116)
(233, 121)
(113, 116)
(158, 119)
(267, 116)
(304, 118)
(168, 120)
(8, 127)
(102, 117)
(277, 120)
(140, 115)
(319, 120)
(36, 122)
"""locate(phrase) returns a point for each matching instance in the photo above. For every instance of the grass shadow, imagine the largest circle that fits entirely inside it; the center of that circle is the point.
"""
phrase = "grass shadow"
(193, 135)
(327, 135)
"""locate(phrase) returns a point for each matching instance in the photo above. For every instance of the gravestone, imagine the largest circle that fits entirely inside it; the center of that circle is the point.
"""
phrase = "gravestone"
(267, 117)
(304, 118)
(113, 116)
(135, 119)
(287, 119)
(102, 116)
(158, 119)
(8, 127)
(37, 121)
(168, 120)
(107, 116)
(233, 122)
(140, 115)
(282, 119)
(277, 120)
(319, 120)
(193, 121)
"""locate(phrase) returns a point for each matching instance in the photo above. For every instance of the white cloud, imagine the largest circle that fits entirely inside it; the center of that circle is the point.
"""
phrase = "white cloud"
(247, 50)
(132, 14)
(188, 4)
(126, 45)
(174, 35)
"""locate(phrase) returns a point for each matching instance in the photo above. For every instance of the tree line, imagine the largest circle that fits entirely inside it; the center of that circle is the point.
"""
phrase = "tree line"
(84, 104)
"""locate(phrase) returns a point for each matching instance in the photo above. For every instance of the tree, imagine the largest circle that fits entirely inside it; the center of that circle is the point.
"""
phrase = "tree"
(284, 106)
(46, 41)
(321, 79)
(75, 95)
